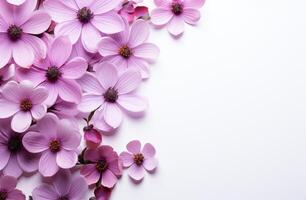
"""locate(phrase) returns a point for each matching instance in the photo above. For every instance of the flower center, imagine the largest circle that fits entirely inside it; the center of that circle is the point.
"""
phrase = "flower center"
(53, 74)
(111, 95)
(138, 159)
(125, 52)
(26, 105)
(177, 8)
(85, 15)
(14, 33)
(63, 198)
(101, 166)
(55, 146)
(3, 195)
(14, 144)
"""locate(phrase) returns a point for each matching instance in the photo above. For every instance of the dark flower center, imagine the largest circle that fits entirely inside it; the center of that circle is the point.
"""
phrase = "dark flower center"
(85, 15)
(55, 146)
(14, 144)
(14, 33)
(138, 159)
(111, 95)
(3, 195)
(53, 74)
(26, 105)
(1, 79)
(177, 8)
(63, 198)
(125, 52)
(101, 166)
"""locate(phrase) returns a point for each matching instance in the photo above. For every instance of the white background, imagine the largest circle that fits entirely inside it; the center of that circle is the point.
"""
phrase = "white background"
(227, 107)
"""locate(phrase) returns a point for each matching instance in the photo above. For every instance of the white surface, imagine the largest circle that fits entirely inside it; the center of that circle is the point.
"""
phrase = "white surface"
(227, 107)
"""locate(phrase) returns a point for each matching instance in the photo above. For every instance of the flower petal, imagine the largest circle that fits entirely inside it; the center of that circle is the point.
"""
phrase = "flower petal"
(139, 33)
(128, 81)
(59, 11)
(107, 74)
(74, 68)
(89, 83)
(112, 115)
(161, 16)
(44, 192)
(78, 188)
(72, 29)
(103, 6)
(136, 172)
(62, 182)
(90, 173)
(108, 47)
(90, 102)
(134, 146)
(5, 50)
(4, 155)
(35, 142)
(108, 23)
(70, 91)
(39, 95)
(148, 150)
(194, 3)
(147, 51)
(191, 16)
(162, 3)
(37, 23)
(60, 51)
(127, 159)
(48, 125)
(23, 54)
(38, 111)
(47, 164)
(109, 179)
(39, 47)
(132, 103)
(28, 161)
(90, 38)
(176, 26)
(99, 121)
(66, 159)
(141, 65)
(150, 164)
(12, 168)
(8, 108)
(21, 121)
(8, 183)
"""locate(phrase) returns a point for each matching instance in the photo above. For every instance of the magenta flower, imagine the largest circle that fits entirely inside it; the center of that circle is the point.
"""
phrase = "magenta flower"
(174, 14)
(15, 159)
(6, 73)
(129, 49)
(57, 73)
(18, 24)
(24, 103)
(57, 140)
(92, 136)
(85, 19)
(109, 93)
(103, 165)
(64, 187)
(8, 189)
(139, 160)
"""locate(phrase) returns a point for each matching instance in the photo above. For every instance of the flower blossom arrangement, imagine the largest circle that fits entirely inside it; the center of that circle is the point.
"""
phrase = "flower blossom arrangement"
(69, 74)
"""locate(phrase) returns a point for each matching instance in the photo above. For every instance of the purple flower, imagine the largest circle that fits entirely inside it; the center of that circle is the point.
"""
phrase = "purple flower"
(6, 73)
(103, 165)
(24, 103)
(109, 93)
(64, 187)
(57, 73)
(174, 14)
(85, 19)
(139, 160)
(7, 189)
(18, 24)
(129, 48)
(57, 140)
(15, 159)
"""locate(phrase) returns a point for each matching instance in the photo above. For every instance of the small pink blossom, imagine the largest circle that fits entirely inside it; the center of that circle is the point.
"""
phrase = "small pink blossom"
(8, 189)
(92, 136)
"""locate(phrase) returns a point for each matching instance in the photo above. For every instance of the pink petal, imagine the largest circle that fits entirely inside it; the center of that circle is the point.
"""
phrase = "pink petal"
(23, 12)
(108, 23)
(23, 54)
(162, 3)
(70, 91)
(148, 150)
(99, 121)
(136, 172)
(28, 161)
(8, 183)
(5, 50)
(4, 155)
(107, 74)
(33, 75)
(15, 194)
(70, 138)
(12, 92)
(176, 26)
(109, 179)
(90, 173)
(74, 68)
(53, 93)
(37, 23)
(128, 81)
(161, 16)
(115, 167)
(66, 159)
(48, 125)
(6, 12)
(39, 95)
(60, 51)
(134, 146)
(71, 28)
(21, 121)
(78, 188)
(44, 192)
(8, 108)
(90, 38)
(127, 159)
(47, 164)
(147, 51)
(194, 3)
(38, 111)
(59, 11)
(12, 168)
(90, 102)
(191, 16)
(92, 155)
(61, 182)
(82, 3)
(118, 61)
(35, 142)
(108, 47)
(90, 84)
(103, 6)
(112, 115)
(139, 33)
(39, 47)
(150, 164)
(132, 103)
(3, 25)
(141, 65)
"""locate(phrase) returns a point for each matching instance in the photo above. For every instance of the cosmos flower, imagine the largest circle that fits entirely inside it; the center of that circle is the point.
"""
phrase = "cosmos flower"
(57, 73)
(138, 160)
(18, 25)
(8, 189)
(57, 140)
(24, 103)
(103, 165)
(64, 187)
(175, 13)
(129, 49)
(15, 159)
(109, 93)
(6, 73)
(85, 19)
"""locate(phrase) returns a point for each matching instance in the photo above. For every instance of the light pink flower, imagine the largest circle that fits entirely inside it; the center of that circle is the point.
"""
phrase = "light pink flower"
(85, 19)
(16, 2)
(57, 73)
(57, 140)
(110, 93)
(174, 14)
(6, 73)
(139, 160)
(18, 24)
(23, 102)
(129, 49)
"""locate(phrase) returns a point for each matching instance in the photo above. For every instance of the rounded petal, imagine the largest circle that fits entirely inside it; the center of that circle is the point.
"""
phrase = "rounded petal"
(74, 68)
(59, 11)
(72, 29)
(28, 161)
(191, 16)
(161, 16)
(109, 179)
(128, 81)
(66, 159)
(150, 164)
(132, 103)
(118, 61)
(4, 155)
(103, 6)
(136, 172)
(92, 155)
(107, 74)
(141, 65)
(134, 146)
(127, 159)
(8, 108)
(12, 168)
(162, 3)
(12, 92)
(23, 12)
(113, 115)
(90, 84)
(8, 183)
(90, 38)
(48, 125)
(139, 33)
(148, 150)
(108, 47)
(90, 173)
(176, 26)
(53, 93)
(62, 182)
(47, 164)
(108, 23)
(90, 102)
(194, 3)
(70, 138)
(38, 46)
(23, 54)
(70, 91)
(37, 23)
(39, 111)
(15, 194)
(35, 142)
(21, 121)
(3, 25)
(78, 188)
(44, 192)
(39, 95)
(60, 51)
(5, 51)
(146, 51)
(99, 121)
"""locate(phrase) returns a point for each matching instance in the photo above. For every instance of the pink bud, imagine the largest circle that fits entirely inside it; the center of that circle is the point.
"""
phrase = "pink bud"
(92, 136)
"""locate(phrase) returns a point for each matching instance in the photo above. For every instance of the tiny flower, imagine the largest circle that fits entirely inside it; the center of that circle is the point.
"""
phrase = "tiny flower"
(15, 159)
(85, 19)
(139, 160)
(23, 102)
(64, 187)
(18, 27)
(6, 73)
(109, 93)
(57, 140)
(92, 136)
(103, 193)
(129, 49)
(174, 14)
(8, 189)
(103, 165)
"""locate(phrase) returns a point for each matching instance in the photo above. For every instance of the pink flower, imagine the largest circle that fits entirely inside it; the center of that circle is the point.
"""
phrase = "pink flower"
(110, 92)
(15, 159)
(57, 73)
(18, 24)
(64, 187)
(139, 160)
(16, 2)
(57, 140)
(129, 49)
(174, 14)
(130, 11)
(85, 19)
(92, 136)
(6, 73)
(103, 165)
(24, 103)
(7, 189)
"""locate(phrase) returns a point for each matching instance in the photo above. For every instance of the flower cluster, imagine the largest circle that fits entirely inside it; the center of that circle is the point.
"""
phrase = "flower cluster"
(69, 72)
